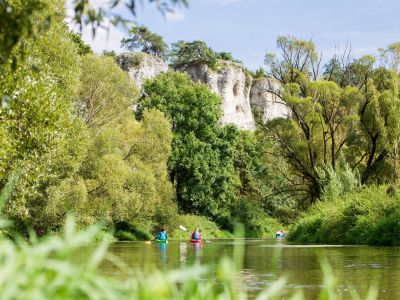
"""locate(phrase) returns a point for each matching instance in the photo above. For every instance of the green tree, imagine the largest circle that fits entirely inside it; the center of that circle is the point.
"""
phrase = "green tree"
(375, 139)
(83, 48)
(202, 160)
(108, 92)
(390, 57)
(38, 90)
(145, 40)
(349, 117)
(298, 63)
(122, 176)
(314, 138)
(186, 54)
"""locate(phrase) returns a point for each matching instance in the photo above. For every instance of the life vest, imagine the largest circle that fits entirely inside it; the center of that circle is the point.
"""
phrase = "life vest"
(162, 236)
(196, 235)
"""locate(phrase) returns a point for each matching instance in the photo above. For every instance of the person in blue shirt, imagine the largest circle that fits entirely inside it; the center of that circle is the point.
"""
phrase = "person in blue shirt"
(162, 235)
(196, 235)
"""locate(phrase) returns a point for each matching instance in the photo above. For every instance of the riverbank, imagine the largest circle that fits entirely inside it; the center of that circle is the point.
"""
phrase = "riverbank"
(370, 216)
(208, 228)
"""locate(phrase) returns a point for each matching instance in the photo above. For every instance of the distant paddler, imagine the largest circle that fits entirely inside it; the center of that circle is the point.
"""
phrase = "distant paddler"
(196, 236)
(162, 237)
(280, 234)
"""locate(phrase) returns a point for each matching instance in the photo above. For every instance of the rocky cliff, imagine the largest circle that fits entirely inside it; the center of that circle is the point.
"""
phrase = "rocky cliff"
(264, 99)
(241, 95)
(233, 85)
(141, 66)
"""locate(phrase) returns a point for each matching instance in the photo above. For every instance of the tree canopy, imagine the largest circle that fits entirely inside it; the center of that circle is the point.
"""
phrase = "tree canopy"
(201, 163)
(145, 40)
(348, 118)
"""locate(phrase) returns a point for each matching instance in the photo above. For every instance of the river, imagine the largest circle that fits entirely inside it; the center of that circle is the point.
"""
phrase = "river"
(353, 266)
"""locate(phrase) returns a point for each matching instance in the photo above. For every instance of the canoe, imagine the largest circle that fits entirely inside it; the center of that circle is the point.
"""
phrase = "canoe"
(162, 241)
(193, 241)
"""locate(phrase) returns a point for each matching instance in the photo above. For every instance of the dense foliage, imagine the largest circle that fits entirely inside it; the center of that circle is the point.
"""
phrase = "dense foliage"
(69, 128)
(37, 124)
(201, 163)
(369, 216)
(348, 115)
(71, 144)
(188, 54)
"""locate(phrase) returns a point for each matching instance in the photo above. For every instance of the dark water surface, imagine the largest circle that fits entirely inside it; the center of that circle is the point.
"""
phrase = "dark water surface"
(354, 266)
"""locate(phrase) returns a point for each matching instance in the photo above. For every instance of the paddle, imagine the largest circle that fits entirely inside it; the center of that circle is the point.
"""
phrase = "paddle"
(183, 228)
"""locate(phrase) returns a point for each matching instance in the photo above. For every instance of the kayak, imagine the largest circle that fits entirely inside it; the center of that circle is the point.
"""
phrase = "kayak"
(162, 241)
(193, 241)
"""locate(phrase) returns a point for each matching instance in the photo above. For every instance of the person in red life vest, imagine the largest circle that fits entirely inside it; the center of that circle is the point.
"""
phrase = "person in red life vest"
(196, 235)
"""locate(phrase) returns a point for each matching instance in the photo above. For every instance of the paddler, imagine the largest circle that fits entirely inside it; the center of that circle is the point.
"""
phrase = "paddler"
(196, 235)
(162, 235)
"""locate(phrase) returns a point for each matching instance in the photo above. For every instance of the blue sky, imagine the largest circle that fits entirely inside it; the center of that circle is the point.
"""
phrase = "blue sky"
(249, 28)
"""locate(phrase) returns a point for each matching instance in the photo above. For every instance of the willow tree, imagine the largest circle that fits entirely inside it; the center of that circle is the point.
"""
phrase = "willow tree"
(377, 111)
(299, 61)
(313, 139)
(351, 118)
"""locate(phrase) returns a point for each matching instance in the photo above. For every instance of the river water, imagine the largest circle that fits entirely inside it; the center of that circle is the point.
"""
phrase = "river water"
(264, 261)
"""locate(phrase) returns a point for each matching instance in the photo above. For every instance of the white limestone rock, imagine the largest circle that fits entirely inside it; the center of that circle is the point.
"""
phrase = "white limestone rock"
(233, 85)
(241, 95)
(264, 99)
(141, 66)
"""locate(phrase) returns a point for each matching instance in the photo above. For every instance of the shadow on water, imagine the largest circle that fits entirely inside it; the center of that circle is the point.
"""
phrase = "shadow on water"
(263, 261)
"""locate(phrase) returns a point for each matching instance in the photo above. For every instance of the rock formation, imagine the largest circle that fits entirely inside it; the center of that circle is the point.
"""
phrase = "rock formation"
(264, 99)
(241, 95)
(141, 66)
(233, 85)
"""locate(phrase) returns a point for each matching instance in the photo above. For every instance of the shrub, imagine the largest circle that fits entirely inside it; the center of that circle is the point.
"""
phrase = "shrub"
(256, 222)
(339, 181)
(129, 231)
(369, 216)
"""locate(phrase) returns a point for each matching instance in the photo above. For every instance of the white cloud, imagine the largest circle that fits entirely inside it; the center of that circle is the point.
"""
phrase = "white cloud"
(174, 15)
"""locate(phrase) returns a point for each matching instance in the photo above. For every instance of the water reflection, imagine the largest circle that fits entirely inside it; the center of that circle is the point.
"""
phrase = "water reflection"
(182, 254)
(163, 251)
(264, 261)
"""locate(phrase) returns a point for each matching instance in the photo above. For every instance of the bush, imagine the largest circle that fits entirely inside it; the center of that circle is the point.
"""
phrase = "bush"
(370, 216)
(126, 231)
(340, 181)
(256, 222)
(126, 61)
